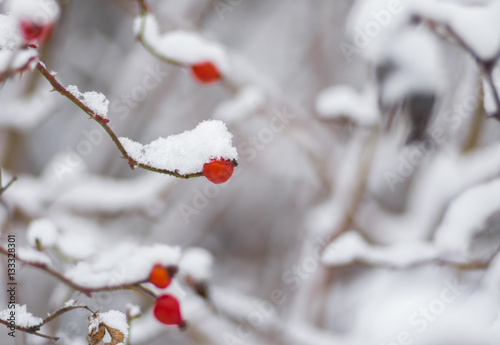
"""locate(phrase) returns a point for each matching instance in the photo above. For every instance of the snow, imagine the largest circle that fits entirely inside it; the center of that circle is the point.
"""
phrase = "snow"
(44, 230)
(95, 101)
(186, 152)
(70, 303)
(102, 194)
(39, 11)
(133, 310)
(123, 264)
(23, 317)
(116, 320)
(350, 247)
(9, 35)
(25, 59)
(476, 24)
(467, 216)
(33, 256)
(245, 103)
(26, 113)
(196, 263)
(410, 75)
(342, 101)
(182, 46)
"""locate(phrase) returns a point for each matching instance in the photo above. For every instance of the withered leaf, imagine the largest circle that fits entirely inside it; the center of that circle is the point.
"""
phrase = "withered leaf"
(117, 337)
(95, 335)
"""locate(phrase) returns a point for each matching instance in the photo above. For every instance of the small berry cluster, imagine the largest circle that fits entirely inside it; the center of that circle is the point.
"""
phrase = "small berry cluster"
(167, 308)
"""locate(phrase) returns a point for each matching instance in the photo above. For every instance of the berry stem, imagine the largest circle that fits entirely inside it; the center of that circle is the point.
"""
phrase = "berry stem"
(101, 120)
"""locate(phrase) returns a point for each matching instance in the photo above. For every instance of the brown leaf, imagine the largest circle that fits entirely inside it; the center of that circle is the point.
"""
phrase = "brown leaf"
(117, 337)
(95, 335)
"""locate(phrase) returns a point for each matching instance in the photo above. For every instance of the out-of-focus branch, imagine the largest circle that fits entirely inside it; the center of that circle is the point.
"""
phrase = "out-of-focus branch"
(360, 187)
(34, 329)
(101, 120)
(85, 290)
(4, 188)
(486, 67)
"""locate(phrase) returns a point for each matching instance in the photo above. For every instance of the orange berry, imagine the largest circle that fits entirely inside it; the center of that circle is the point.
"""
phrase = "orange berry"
(218, 170)
(159, 276)
(205, 72)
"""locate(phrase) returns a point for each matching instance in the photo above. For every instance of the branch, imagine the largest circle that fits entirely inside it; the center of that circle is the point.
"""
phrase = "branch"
(29, 330)
(34, 329)
(486, 67)
(85, 290)
(231, 86)
(3, 189)
(101, 120)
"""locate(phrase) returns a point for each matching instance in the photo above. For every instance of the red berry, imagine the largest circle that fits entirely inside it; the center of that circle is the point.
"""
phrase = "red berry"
(33, 32)
(218, 170)
(167, 311)
(205, 72)
(159, 276)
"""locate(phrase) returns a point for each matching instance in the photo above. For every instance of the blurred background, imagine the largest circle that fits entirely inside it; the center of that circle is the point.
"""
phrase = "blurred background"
(366, 216)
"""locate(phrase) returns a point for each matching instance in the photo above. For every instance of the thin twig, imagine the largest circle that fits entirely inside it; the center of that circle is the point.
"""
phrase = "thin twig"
(101, 120)
(29, 330)
(3, 189)
(34, 329)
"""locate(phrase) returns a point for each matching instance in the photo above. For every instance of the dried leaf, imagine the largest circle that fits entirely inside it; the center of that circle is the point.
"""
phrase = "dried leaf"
(95, 334)
(117, 337)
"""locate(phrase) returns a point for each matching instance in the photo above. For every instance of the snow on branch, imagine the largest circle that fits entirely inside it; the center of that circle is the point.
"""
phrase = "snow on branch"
(466, 217)
(124, 267)
(350, 247)
(181, 156)
(343, 101)
(185, 153)
(179, 47)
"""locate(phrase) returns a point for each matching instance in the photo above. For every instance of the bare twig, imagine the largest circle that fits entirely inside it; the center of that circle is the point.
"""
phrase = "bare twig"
(3, 189)
(100, 119)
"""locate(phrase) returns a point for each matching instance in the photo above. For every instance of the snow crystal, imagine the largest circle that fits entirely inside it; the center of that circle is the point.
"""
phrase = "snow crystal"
(95, 101)
(246, 102)
(343, 101)
(15, 60)
(122, 264)
(182, 46)
(196, 263)
(23, 317)
(43, 230)
(31, 255)
(185, 152)
(40, 11)
(9, 35)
